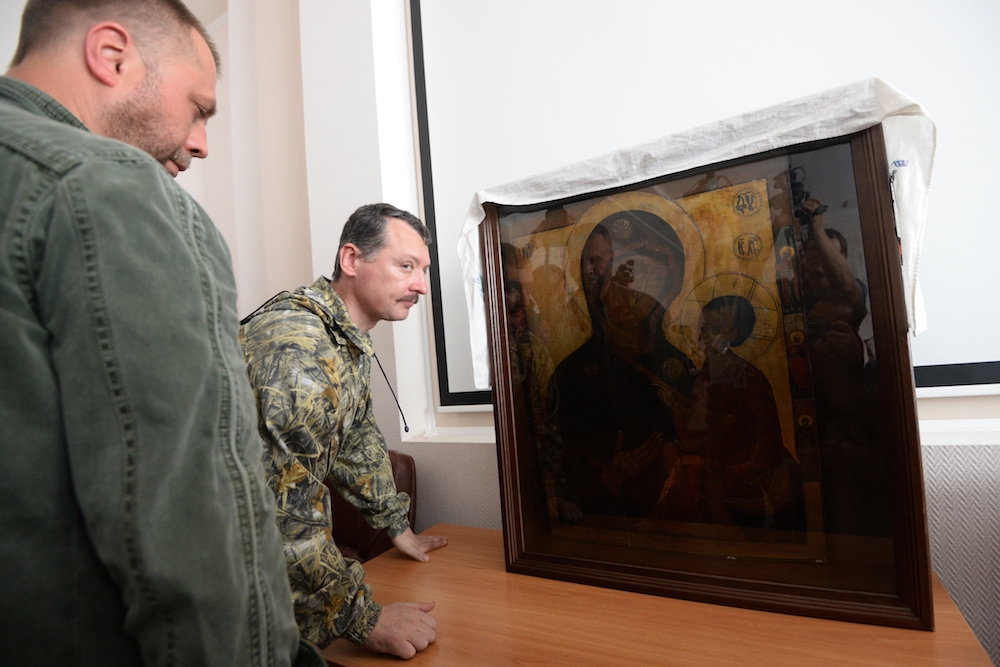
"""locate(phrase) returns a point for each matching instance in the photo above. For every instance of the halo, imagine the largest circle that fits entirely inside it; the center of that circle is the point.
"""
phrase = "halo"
(670, 213)
(765, 306)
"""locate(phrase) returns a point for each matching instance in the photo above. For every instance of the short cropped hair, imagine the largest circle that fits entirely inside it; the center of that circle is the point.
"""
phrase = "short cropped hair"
(153, 24)
(366, 230)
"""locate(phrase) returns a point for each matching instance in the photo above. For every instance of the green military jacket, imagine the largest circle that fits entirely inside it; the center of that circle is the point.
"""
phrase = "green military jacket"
(136, 526)
(310, 367)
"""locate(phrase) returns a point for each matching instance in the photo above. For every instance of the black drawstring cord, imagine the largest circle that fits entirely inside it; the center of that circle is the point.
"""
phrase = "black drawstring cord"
(398, 407)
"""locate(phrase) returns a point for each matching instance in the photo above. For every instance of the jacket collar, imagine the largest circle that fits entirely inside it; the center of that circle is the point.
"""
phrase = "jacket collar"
(326, 303)
(36, 101)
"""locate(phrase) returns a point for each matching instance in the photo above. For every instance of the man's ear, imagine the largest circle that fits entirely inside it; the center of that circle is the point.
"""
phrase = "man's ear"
(350, 257)
(109, 49)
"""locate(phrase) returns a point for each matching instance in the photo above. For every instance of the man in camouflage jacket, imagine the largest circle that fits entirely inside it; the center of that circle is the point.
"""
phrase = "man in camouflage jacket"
(308, 357)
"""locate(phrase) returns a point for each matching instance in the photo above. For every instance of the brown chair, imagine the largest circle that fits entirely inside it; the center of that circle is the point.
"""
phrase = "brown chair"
(351, 533)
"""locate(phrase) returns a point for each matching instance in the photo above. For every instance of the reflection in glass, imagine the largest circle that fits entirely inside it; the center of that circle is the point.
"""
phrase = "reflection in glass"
(695, 384)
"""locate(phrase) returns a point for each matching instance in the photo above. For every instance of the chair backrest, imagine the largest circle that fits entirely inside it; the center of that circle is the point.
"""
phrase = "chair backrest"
(351, 533)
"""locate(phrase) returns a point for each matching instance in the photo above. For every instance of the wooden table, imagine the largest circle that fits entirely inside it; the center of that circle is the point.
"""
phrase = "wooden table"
(487, 617)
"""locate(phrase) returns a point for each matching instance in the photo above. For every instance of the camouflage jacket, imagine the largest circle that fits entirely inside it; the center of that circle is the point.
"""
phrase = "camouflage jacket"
(310, 368)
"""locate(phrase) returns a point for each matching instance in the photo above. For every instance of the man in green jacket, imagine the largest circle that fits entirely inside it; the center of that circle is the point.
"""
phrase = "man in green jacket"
(309, 355)
(136, 526)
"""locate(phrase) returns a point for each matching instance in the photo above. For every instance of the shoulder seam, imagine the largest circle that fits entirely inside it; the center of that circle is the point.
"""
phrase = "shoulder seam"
(61, 161)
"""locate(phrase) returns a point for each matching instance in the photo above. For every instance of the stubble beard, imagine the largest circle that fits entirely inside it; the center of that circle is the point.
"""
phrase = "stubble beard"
(137, 122)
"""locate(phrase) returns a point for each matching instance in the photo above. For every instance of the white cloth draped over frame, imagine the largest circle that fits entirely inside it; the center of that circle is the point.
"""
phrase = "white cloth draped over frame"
(910, 138)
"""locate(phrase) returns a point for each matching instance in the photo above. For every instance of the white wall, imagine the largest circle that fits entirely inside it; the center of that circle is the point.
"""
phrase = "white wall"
(10, 24)
(522, 86)
(254, 182)
(360, 149)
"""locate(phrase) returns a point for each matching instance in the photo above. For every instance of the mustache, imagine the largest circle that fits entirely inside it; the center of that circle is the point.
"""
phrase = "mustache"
(412, 299)
(182, 159)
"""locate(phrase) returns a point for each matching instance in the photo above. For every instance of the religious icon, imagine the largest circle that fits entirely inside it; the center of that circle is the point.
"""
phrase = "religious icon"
(686, 397)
